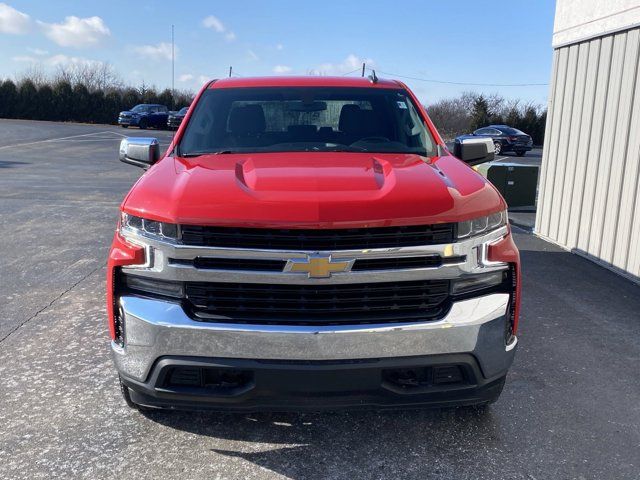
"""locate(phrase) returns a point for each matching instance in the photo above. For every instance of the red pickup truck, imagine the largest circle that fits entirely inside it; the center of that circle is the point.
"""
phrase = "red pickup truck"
(307, 243)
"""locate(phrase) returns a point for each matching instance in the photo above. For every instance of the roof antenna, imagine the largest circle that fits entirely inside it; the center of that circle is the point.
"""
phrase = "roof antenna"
(230, 71)
(373, 77)
(363, 68)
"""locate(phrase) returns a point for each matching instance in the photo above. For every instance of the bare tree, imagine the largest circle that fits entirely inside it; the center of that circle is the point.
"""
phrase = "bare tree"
(35, 73)
(93, 75)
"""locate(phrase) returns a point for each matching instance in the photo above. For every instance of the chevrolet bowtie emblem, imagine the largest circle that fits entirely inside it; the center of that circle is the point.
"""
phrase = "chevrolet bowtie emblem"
(318, 266)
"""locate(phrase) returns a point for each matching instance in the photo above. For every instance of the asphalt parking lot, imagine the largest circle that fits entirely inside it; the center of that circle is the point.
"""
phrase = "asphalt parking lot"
(570, 408)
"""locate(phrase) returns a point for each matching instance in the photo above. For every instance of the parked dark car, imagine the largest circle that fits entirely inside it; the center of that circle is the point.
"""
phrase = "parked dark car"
(145, 116)
(175, 118)
(506, 139)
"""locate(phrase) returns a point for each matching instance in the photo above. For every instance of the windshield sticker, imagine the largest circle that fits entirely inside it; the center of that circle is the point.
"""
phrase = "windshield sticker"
(402, 105)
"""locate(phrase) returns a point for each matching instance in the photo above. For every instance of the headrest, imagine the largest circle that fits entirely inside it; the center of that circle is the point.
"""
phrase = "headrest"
(349, 115)
(355, 121)
(247, 119)
(302, 131)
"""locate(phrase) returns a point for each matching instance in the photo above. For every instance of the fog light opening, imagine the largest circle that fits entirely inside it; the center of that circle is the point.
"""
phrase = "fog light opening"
(119, 326)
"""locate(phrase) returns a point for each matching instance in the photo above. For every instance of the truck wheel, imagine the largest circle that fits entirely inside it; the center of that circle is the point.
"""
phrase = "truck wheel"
(127, 398)
(143, 124)
(520, 153)
(497, 147)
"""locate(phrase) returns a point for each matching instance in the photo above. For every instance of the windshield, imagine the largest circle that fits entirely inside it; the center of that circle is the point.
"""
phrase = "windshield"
(282, 119)
(183, 110)
(140, 108)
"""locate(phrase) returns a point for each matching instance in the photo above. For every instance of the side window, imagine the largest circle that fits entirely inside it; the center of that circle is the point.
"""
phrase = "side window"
(496, 132)
(481, 131)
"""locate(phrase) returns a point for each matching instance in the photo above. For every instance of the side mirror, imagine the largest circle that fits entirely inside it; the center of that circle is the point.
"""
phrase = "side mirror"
(473, 150)
(139, 151)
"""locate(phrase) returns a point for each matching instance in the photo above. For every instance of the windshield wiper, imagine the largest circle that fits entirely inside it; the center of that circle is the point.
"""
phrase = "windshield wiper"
(198, 154)
(344, 148)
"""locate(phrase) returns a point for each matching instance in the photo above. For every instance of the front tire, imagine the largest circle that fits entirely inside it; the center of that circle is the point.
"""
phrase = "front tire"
(143, 124)
(124, 126)
(520, 153)
(497, 147)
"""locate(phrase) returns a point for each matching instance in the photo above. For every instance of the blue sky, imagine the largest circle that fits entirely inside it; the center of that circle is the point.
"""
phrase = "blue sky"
(501, 42)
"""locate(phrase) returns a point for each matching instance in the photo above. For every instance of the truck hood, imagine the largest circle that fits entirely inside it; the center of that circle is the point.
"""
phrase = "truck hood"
(315, 189)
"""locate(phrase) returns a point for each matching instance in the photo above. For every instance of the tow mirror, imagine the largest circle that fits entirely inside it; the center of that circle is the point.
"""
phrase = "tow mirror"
(139, 151)
(473, 150)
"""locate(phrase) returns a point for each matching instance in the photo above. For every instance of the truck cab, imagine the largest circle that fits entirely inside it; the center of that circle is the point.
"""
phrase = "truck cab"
(311, 243)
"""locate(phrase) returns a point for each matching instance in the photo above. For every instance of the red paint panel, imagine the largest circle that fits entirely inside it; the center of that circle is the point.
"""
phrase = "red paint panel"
(312, 189)
(506, 251)
(121, 253)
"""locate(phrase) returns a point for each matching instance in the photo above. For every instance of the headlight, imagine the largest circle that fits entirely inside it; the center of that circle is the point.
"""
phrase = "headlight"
(477, 226)
(151, 228)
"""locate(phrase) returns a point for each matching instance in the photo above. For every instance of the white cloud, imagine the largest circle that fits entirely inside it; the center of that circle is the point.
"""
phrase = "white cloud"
(279, 46)
(65, 60)
(192, 81)
(76, 32)
(350, 63)
(24, 59)
(12, 21)
(216, 24)
(38, 51)
(159, 51)
(281, 69)
(58, 60)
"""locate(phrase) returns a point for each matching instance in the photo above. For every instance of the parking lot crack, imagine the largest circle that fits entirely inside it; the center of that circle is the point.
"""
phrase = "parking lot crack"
(51, 303)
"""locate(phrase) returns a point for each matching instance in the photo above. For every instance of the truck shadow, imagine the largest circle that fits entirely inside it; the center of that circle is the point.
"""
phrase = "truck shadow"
(391, 444)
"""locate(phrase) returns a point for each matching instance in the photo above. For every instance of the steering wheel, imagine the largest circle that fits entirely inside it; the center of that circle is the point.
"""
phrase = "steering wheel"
(372, 140)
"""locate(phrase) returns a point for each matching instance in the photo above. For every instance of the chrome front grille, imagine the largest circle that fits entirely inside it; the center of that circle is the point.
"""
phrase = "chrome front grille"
(312, 287)
(175, 261)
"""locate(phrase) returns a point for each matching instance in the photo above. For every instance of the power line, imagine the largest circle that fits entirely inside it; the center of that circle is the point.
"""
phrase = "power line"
(445, 82)
(352, 71)
(429, 80)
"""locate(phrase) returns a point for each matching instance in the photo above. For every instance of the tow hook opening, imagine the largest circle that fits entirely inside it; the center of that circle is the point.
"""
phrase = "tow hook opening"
(421, 378)
(213, 381)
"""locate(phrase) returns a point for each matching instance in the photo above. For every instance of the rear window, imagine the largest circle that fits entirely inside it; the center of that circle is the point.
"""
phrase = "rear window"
(511, 131)
(306, 119)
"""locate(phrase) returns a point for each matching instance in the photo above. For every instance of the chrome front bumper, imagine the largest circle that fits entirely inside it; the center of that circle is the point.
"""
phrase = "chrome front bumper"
(155, 328)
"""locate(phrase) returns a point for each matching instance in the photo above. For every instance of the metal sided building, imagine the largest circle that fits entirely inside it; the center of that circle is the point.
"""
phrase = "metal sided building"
(589, 192)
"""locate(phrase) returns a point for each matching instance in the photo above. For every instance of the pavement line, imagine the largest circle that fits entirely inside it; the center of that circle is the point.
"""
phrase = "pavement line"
(53, 139)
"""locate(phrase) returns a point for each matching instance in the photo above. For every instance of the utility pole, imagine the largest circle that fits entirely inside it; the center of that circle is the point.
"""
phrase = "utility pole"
(173, 70)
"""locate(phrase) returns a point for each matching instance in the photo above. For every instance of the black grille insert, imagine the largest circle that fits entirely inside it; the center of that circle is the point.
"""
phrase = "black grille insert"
(319, 304)
(304, 239)
(261, 265)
